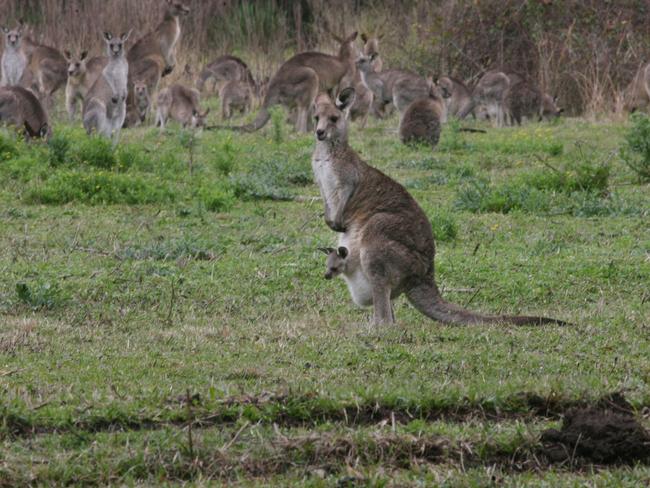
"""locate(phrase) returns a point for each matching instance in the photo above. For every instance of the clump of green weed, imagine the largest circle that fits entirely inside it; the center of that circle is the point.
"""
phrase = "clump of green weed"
(269, 180)
(480, 196)
(217, 198)
(94, 151)
(223, 156)
(58, 147)
(133, 156)
(8, 149)
(100, 187)
(277, 124)
(39, 295)
(452, 138)
(444, 225)
(636, 152)
(24, 167)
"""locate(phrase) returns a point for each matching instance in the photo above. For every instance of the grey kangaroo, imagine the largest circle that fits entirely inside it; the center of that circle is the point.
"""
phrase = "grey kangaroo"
(388, 235)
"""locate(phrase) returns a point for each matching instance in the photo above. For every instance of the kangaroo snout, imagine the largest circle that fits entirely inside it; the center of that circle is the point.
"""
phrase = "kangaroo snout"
(328, 275)
(320, 135)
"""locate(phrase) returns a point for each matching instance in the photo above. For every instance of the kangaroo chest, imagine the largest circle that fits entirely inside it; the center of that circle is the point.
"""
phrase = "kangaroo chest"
(116, 73)
(13, 65)
(358, 283)
(327, 178)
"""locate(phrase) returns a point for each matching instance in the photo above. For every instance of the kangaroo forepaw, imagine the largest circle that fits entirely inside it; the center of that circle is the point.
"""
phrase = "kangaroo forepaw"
(335, 226)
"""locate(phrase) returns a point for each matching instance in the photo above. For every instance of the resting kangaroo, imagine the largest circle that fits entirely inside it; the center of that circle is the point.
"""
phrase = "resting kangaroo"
(105, 104)
(299, 80)
(14, 59)
(489, 91)
(422, 119)
(82, 74)
(20, 107)
(388, 235)
(524, 100)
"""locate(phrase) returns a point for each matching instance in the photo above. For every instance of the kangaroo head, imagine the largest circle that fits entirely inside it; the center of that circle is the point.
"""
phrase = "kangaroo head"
(336, 261)
(550, 108)
(176, 8)
(198, 118)
(331, 118)
(115, 45)
(76, 64)
(364, 63)
(446, 86)
(434, 90)
(371, 44)
(348, 50)
(13, 37)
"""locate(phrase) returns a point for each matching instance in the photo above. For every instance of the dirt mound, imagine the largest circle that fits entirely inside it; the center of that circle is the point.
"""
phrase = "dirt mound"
(606, 433)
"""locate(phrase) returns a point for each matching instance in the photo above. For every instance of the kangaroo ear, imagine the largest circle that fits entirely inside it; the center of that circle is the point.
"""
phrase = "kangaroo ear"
(374, 56)
(324, 250)
(205, 114)
(561, 111)
(346, 99)
(108, 36)
(364, 37)
(84, 55)
(67, 55)
(353, 36)
(125, 37)
(555, 98)
(342, 252)
(195, 113)
(5, 29)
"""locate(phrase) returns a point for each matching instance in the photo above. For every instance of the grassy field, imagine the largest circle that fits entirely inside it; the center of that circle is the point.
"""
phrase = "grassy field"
(164, 316)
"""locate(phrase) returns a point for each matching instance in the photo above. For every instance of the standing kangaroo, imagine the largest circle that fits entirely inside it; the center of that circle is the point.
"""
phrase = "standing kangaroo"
(82, 74)
(224, 69)
(163, 40)
(46, 70)
(456, 93)
(14, 59)
(371, 49)
(299, 80)
(388, 236)
(235, 95)
(105, 104)
(181, 104)
(20, 107)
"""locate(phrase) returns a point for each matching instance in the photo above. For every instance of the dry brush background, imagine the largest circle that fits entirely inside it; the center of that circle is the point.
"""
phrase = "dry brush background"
(586, 51)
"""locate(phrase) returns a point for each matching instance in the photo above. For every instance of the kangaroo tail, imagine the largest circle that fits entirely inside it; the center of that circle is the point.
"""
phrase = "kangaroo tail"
(467, 109)
(205, 75)
(426, 298)
(260, 121)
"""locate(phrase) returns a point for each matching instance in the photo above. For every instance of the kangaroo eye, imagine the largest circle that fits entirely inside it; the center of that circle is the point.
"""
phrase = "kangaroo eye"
(334, 119)
(316, 117)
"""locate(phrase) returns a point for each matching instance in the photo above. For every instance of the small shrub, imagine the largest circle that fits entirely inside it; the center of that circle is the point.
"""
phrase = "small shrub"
(217, 198)
(94, 151)
(39, 296)
(133, 156)
(8, 149)
(223, 156)
(444, 226)
(268, 180)
(480, 196)
(58, 147)
(636, 152)
(99, 187)
(277, 125)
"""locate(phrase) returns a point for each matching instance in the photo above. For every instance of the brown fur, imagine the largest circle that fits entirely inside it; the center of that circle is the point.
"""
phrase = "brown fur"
(46, 71)
(20, 107)
(382, 226)
(371, 49)
(298, 81)
(82, 74)
(236, 95)
(456, 92)
(223, 69)
(421, 121)
(490, 92)
(522, 99)
(181, 104)
(637, 93)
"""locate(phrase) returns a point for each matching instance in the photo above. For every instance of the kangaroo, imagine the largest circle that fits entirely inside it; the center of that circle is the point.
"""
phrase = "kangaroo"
(181, 104)
(524, 100)
(20, 107)
(388, 235)
(391, 87)
(163, 40)
(637, 93)
(298, 81)
(371, 49)
(46, 70)
(422, 119)
(223, 69)
(235, 95)
(336, 261)
(489, 91)
(138, 113)
(82, 74)
(105, 104)
(14, 59)
(455, 92)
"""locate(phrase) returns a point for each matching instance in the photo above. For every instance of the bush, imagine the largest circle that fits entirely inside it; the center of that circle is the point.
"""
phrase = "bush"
(218, 198)
(94, 151)
(58, 147)
(636, 152)
(39, 296)
(222, 157)
(99, 187)
(8, 148)
(133, 156)
(444, 226)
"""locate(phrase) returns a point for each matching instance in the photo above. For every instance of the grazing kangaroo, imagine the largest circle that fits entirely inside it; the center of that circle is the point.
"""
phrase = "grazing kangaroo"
(20, 107)
(299, 80)
(637, 93)
(82, 74)
(524, 100)
(105, 104)
(14, 59)
(388, 235)
(46, 71)
(490, 91)
(456, 94)
(163, 40)
(236, 95)
(223, 69)
(182, 105)
(422, 119)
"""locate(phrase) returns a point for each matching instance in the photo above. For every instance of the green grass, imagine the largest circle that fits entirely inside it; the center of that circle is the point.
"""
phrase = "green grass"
(129, 278)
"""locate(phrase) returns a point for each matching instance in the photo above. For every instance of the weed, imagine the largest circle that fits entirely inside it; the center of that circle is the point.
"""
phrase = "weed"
(277, 125)
(58, 148)
(217, 198)
(8, 149)
(39, 295)
(636, 151)
(95, 151)
(223, 156)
